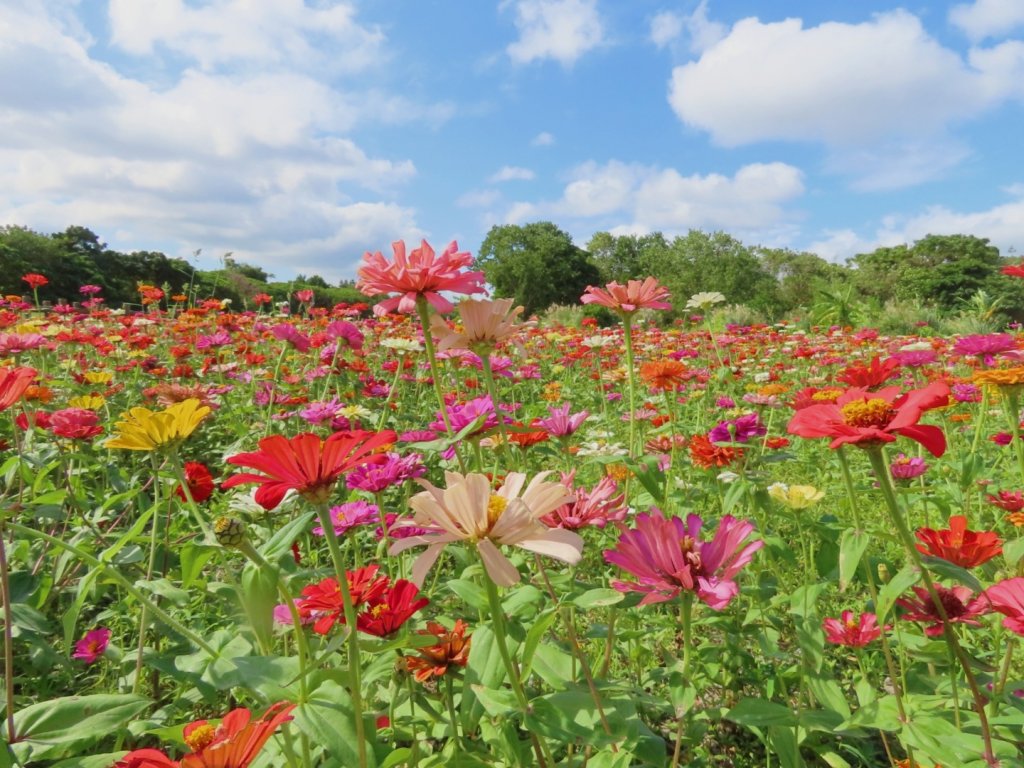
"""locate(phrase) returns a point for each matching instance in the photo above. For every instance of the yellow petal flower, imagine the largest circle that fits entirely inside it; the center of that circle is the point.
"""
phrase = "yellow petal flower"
(144, 430)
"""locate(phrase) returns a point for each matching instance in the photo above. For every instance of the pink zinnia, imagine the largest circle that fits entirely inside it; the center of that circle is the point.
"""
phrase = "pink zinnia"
(852, 632)
(597, 507)
(668, 557)
(343, 330)
(957, 603)
(560, 423)
(351, 515)
(75, 424)
(421, 272)
(292, 335)
(1007, 597)
(91, 647)
(394, 470)
(628, 298)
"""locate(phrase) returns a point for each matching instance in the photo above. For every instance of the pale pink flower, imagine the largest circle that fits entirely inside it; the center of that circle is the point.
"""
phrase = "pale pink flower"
(597, 507)
(628, 298)
(468, 510)
(485, 324)
(421, 272)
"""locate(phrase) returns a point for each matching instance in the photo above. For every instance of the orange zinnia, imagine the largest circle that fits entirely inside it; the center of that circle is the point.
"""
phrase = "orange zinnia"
(664, 374)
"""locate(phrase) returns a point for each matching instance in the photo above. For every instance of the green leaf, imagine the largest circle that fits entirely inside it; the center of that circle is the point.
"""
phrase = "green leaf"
(571, 714)
(281, 542)
(497, 703)
(782, 742)
(758, 713)
(484, 669)
(192, 559)
(852, 546)
(49, 729)
(598, 598)
(470, 592)
(533, 637)
(553, 665)
(948, 570)
(1013, 551)
(900, 583)
(328, 719)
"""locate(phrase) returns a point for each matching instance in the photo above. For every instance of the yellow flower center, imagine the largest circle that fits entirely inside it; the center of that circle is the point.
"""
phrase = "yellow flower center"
(875, 412)
(378, 609)
(852, 624)
(827, 395)
(495, 506)
(201, 737)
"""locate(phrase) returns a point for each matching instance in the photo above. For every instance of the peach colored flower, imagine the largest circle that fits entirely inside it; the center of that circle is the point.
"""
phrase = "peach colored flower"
(628, 298)
(468, 510)
(485, 324)
(418, 273)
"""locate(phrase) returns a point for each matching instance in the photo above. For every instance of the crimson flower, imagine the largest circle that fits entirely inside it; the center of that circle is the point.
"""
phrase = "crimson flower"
(451, 649)
(1007, 597)
(1011, 501)
(959, 545)
(322, 602)
(306, 464)
(199, 481)
(852, 632)
(421, 272)
(1013, 270)
(628, 298)
(13, 383)
(386, 612)
(35, 280)
(867, 419)
(874, 374)
(956, 601)
(146, 758)
(668, 557)
(75, 423)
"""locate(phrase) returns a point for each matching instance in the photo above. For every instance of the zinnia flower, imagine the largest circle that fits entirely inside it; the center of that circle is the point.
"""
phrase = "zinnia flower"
(560, 423)
(236, 741)
(451, 649)
(664, 375)
(852, 632)
(146, 430)
(866, 419)
(418, 273)
(485, 324)
(869, 376)
(628, 298)
(13, 383)
(306, 464)
(738, 430)
(1007, 597)
(35, 280)
(146, 758)
(91, 647)
(597, 507)
(350, 515)
(386, 612)
(1011, 501)
(668, 558)
(75, 424)
(323, 604)
(795, 496)
(958, 545)
(467, 510)
(957, 602)
(905, 467)
(705, 454)
(199, 481)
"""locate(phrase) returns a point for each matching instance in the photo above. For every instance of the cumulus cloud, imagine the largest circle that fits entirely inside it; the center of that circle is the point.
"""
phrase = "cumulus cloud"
(247, 160)
(987, 18)
(869, 81)
(639, 198)
(702, 31)
(511, 173)
(666, 27)
(562, 30)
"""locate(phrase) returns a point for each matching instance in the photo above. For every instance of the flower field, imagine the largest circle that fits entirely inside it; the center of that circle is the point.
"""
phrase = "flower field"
(323, 537)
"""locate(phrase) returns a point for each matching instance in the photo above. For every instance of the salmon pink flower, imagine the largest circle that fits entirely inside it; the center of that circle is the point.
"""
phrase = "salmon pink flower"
(597, 507)
(146, 758)
(868, 419)
(668, 557)
(91, 647)
(486, 323)
(467, 510)
(958, 602)
(386, 612)
(13, 383)
(628, 298)
(852, 632)
(958, 545)
(1007, 597)
(236, 741)
(421, 272)
(306, 464)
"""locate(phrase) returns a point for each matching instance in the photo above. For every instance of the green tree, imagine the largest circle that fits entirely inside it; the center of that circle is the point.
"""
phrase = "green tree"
(537, 264)
(627, 257)
(798, 275)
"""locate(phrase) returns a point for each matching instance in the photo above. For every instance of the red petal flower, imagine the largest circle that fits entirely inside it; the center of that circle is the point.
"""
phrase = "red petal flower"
(959, 545)
(863, 418)
(388, 611)
(199, 481)
(852, 632)
(146, 758)
(13, 383)
(306, 464)
(322, 601)
(452, 648)
(957, 602)
(874, 374)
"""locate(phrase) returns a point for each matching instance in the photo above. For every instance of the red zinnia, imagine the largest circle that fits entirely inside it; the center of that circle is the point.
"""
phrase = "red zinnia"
(75, 424)
(306, 464)
(322, 602)
(874, 374)
(705, 454)
(13, 383)
(959, 545)
(35, 280)
(199, 481)
(1013, 270)
(146, 758)
(386, 612)
(868, 419)
(956, 601)
(1011, 501)
(852, 632)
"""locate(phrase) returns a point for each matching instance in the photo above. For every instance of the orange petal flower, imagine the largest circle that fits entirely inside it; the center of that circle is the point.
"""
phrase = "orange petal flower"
(236, 741)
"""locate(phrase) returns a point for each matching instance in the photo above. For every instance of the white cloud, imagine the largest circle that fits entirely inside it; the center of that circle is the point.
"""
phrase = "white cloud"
(252, 31)
(987, 18)
(563, 30)
(542, 139)
(703, 32)
(896, 164)
(666, 27)
(512, 173)
(841, 84)
(637, 198)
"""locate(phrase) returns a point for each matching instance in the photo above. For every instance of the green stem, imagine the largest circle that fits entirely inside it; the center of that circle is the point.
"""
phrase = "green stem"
(354, 671)
(115, 574)
(449, 695)
(878, 463)
(150, 567)
(685, 617)
(627, 332)
(492, 390)
(1011, 407)
(423, 310)
(5, 594)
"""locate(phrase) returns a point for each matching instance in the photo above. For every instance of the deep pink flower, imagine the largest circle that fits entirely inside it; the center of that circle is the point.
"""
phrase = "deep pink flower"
(351, 515)
(905, 467)
(91, 647)
(343, 330)
(560, 423)
(1007, 597)
(75, 423)
(305, 295)
(957, 602)
(852, 632)
(394, 470)
(628, 298)
(292, 335)
(421, 272)
(15, 343)
(668, 557)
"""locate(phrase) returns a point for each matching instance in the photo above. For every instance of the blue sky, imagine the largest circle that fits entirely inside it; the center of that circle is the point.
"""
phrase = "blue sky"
(297, 135)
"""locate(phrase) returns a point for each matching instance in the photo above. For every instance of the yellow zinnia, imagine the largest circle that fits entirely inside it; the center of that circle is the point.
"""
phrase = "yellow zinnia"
(87, 402)
(146, 430)
(795, 496)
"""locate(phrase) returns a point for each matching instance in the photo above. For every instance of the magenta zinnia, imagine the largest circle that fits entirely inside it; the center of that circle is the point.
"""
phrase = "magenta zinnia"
(668, 557)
